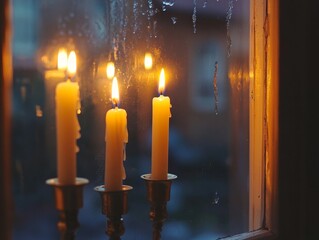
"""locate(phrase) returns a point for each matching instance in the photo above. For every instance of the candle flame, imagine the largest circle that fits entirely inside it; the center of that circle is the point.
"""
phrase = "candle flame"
(110, 70)
(161, 85)
(115, 92)
(148, 61)
(72, 64)
(62, 59)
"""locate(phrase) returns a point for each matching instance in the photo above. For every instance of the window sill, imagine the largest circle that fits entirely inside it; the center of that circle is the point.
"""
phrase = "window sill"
(258, 234)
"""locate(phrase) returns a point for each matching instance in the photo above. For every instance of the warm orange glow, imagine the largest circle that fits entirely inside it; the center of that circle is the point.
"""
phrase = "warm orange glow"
(72, 64)
(148, 61)
(62, 59)
(110, 70)
(115, 91)
(161, 85)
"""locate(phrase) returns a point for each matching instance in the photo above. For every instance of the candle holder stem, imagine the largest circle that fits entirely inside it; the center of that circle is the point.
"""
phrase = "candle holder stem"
(68, 224)
(158, 194)
(68, 200)
(114, 205)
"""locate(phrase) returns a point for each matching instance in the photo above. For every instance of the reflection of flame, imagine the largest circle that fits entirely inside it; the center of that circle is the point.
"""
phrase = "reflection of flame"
(148, 61)
(110, 70)
(115, 91)
(161, 85)
(38, 111)
(72, 64)
(62, 59)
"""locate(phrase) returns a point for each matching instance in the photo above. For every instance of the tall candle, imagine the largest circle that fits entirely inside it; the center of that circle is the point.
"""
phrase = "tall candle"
(116, 137)
(67, 101)
(160, 132)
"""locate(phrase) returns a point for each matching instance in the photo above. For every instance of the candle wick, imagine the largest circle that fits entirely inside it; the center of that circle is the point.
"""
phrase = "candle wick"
(115, 104)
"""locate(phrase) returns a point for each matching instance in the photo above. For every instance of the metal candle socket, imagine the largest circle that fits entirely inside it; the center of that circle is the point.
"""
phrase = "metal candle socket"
(114, 205)
(158, 194)
(68, 200)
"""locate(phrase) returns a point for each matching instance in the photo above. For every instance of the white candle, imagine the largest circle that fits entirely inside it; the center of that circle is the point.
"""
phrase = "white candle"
(67, 101)
(160, 132)
(116, 136)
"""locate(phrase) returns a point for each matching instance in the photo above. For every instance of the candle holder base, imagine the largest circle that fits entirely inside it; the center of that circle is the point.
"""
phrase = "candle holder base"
(68, 200)
(114, 205)
(158, 194)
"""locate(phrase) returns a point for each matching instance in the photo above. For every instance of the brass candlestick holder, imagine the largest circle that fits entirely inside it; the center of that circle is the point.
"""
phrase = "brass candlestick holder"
(114, 205)
(68, 200)
(158, 194)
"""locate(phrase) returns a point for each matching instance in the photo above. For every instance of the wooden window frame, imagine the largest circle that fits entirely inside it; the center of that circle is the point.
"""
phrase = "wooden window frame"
(263, 153)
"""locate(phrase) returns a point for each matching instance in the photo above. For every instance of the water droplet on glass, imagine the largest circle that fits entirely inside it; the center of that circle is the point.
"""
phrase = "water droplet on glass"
(167, 3)
(150, 4)
(205, 4)
(163, 8)
(150, 8)
(216, 198)
(174, 20)
(228, 18)
(215, 88)
(194, 17)
(135, 15)
(155, 29)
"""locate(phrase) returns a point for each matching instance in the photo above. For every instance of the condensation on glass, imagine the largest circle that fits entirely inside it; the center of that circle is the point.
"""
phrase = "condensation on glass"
(204, 48)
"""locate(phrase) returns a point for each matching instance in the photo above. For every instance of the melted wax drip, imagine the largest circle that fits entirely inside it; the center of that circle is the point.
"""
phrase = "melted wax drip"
(228, 18)
(124, 158)
(194, 17)
(215, 88)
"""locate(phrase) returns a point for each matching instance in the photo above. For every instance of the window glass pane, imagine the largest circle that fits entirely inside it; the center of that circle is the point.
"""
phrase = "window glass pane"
(203, 47)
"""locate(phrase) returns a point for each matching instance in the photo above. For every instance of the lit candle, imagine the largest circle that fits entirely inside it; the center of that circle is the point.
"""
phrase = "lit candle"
(160, 132)
(67, 99)
(116, 137)
(148, 61)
